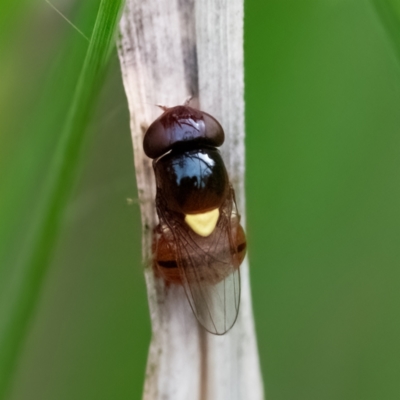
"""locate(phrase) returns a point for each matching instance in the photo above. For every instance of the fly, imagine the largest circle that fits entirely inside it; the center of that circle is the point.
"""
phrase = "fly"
(199, 242)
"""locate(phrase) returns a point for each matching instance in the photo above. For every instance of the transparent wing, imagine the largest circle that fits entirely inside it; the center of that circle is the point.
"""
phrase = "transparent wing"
(211, 280)
(209, 269)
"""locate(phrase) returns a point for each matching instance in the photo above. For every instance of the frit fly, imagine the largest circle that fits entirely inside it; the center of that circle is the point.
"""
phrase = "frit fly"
(199, 242)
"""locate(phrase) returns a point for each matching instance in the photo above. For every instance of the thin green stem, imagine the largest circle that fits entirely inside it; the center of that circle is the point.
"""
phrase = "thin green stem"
(36, 257)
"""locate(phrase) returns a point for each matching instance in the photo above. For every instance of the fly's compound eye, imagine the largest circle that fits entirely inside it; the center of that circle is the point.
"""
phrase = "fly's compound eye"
(192, 182)
(178, 126)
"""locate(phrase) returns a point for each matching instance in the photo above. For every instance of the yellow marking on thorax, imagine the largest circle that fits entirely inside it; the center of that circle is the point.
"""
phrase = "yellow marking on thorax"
(203, 224)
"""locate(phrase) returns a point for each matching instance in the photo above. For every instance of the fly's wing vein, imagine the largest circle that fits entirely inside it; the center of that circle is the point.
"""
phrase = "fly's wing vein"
(211, 279)
(208, 267)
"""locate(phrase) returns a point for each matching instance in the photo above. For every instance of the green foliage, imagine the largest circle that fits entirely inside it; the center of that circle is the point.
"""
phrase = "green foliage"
(23, 288)
(322, 99)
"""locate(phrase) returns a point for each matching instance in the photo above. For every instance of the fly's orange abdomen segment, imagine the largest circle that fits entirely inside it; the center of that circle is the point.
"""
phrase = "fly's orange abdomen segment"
(213, 264)
(165, 258)
(241, 244)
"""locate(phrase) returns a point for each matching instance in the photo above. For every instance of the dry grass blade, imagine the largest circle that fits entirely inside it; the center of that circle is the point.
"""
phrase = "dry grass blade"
(170, 51)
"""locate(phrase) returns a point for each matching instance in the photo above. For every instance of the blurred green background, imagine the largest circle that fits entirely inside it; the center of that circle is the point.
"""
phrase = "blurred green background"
(323, 197)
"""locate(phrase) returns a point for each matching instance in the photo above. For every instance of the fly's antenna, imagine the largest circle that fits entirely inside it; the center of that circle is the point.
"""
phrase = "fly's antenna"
(188, 100)
(66, 19)
(164, 108)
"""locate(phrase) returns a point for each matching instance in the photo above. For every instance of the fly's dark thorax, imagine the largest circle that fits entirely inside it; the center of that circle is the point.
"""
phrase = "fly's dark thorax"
(192, 180)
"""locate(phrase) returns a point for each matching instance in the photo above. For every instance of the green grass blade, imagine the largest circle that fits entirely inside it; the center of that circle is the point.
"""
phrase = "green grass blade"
(36, 256)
